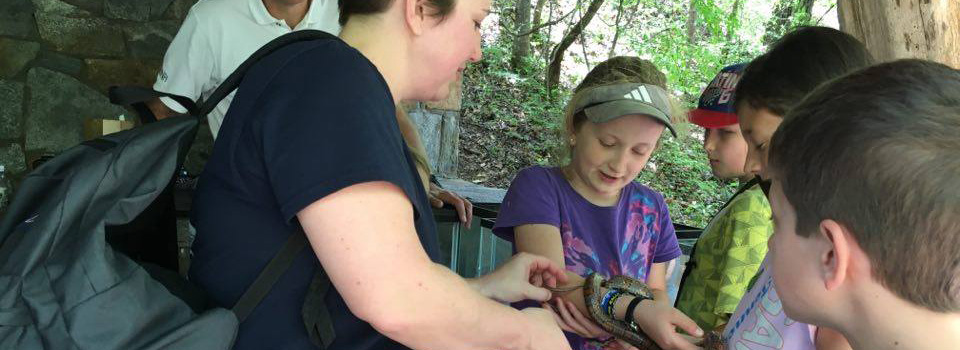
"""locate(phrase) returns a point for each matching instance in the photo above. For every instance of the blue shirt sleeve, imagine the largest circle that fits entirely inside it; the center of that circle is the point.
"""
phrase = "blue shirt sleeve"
(531, 199)
(329, 129)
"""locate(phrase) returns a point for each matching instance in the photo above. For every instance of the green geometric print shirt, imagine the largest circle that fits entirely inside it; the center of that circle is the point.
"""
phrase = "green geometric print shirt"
(726, 258)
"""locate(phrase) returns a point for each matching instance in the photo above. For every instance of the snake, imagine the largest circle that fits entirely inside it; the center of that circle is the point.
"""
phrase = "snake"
(713, 341)
(619, 329)
(634, 336)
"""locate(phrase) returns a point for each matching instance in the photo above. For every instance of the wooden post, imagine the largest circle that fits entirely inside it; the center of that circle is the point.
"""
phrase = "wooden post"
(438, 124)
(893, 29)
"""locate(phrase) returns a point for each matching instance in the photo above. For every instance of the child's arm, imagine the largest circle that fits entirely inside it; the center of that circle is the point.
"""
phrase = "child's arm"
(657, 281)
(828, 339)
(658, 319)
(544, 240)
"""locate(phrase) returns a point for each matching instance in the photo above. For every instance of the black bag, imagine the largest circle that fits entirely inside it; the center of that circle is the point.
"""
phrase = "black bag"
(63, 287)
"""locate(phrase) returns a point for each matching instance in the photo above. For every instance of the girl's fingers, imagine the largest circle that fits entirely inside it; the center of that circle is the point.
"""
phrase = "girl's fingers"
(563, 325)
(687, 324)
(565, 314)
(587, 323)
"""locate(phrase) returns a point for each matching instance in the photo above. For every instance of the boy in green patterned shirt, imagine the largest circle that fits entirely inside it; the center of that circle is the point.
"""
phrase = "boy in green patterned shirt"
(734, 243)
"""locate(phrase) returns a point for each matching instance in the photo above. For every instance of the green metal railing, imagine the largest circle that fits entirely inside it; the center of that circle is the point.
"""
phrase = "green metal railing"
(470, 251)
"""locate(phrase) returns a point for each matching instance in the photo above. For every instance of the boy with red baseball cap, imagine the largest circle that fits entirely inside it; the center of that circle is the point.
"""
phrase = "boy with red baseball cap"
(732, 246)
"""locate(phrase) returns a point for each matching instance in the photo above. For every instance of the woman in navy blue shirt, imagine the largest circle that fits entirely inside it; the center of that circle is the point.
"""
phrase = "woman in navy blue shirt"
(311, 140)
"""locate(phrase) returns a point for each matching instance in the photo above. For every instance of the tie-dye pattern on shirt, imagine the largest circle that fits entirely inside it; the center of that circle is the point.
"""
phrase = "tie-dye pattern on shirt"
(637, 244)
(641, 236)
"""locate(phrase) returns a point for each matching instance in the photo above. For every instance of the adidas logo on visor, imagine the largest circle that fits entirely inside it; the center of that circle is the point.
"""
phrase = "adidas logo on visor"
(640, 93)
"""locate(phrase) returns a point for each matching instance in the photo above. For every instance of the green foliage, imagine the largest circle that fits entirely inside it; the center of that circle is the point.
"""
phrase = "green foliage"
(681, 173)
(508, 121)
(691, 62)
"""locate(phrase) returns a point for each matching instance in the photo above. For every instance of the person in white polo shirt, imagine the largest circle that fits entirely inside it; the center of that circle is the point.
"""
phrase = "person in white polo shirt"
(218, 35)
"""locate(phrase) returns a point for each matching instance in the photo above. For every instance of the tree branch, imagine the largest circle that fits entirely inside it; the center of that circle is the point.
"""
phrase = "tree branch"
(553, 69)
(550, 23)
(825, 13)
(616, 31)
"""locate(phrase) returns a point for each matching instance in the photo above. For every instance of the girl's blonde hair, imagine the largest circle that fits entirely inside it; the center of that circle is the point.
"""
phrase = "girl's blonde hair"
(616, 70)
(411, 139)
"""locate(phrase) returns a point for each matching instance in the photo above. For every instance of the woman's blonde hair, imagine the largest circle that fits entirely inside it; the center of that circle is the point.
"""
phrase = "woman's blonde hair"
(616, 70)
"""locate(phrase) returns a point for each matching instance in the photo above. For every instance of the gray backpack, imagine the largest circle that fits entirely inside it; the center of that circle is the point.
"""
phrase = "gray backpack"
(62, 286)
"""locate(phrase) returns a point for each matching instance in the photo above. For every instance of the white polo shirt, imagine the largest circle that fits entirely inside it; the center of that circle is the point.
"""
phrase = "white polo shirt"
(216, 37)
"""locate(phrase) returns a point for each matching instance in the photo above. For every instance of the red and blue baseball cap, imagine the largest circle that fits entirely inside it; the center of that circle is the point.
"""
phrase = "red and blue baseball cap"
(717, 107)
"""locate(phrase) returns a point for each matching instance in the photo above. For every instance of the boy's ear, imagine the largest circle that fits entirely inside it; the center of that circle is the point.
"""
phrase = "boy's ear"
(836, 254)
(414, 14)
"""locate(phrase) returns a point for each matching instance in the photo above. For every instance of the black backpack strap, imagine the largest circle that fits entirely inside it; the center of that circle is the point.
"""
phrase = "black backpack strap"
(270, 275)
(298, 240)
(233, 81)
(316, 316)
(136, 97)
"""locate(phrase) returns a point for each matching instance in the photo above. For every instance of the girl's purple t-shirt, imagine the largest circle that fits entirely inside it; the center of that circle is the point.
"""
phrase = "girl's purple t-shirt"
(625, 239)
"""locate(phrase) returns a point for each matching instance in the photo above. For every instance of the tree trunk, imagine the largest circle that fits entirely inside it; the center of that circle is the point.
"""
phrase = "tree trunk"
(545, 48)
(732, 26)
(538, 12)
(734, 17)
(553, 71)
(807, 6)
(784, 14)
(521, 43)
(692, 22)
(616, 31)
(583, 48)
(927, 29)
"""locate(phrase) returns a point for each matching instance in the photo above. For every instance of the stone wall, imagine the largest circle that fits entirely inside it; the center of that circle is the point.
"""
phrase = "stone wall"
(58, 57)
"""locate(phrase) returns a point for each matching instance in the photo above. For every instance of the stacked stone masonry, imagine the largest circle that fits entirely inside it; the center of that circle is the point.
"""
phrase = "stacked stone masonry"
(58, 57)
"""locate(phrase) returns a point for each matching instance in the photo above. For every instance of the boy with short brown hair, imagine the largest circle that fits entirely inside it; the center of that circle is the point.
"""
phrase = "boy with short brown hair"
(866, 203)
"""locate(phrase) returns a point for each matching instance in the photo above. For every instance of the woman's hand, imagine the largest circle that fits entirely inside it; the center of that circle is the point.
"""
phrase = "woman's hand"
(439, 196)
(512, 281)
